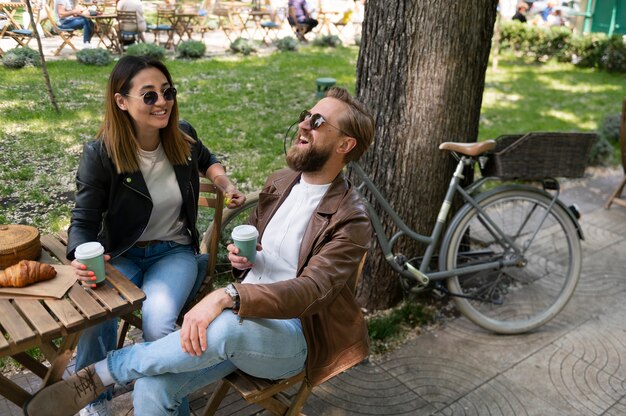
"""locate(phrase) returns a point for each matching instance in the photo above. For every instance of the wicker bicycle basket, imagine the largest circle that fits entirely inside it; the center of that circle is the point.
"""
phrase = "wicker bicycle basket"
(18, 242)
(540, 155)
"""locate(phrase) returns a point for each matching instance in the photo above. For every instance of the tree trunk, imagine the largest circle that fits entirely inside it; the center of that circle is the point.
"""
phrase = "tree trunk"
(421, 70)
(42, 59)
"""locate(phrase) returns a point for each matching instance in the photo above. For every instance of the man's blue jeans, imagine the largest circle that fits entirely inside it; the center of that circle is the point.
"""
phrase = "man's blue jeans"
(79, 22)
(268, 348)
(167, 273)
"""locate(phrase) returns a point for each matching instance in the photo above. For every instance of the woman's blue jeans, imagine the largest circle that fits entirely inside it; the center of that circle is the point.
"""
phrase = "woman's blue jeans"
(79, 22)
(167, 272)
(165, 375)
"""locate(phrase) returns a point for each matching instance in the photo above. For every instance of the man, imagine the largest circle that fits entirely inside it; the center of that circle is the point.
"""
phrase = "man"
(299, 16)
(294, 309)
(520, 15)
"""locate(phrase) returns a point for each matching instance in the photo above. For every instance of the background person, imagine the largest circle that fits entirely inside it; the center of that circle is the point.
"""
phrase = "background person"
(137, 194)
(520, 14)
(294, 309)
(299, 14)
(137, 7)
(70, 17)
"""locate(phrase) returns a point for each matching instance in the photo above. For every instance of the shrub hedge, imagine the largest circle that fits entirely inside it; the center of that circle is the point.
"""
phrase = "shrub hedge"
(595, 50)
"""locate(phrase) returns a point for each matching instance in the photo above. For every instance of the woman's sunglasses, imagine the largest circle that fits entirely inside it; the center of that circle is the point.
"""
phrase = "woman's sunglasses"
(151, 97)
(316, 120)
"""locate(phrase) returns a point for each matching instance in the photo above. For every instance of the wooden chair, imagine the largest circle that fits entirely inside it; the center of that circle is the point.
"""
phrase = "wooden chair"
(66, 35)
(128, 30)
(269, 394)
(298, 29)
(165, 22)
(344, 21)
(616, 196)
(210, 197)
(229, 20)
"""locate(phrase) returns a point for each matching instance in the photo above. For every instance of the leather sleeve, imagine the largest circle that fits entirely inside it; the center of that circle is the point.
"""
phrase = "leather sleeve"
(93, 184)
(334, 260)
(205, 157)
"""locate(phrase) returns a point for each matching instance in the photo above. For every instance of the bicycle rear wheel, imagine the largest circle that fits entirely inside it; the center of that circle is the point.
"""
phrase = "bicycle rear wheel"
(517, 299)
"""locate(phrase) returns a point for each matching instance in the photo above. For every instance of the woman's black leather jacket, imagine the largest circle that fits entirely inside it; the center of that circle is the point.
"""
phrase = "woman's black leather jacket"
(114, 209)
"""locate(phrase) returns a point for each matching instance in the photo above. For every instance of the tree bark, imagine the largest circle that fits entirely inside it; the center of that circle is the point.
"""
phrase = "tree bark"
(42, 59)
(421, 69)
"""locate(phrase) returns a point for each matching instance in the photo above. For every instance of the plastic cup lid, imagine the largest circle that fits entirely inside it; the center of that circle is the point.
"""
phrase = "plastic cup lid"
(89, 250)
(245, 232)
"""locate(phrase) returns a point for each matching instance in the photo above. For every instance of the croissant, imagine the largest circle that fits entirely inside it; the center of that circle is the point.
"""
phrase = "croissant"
(26, 272)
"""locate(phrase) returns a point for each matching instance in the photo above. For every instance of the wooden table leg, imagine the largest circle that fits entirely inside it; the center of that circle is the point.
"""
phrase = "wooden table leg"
(59, 364)
(13, 392)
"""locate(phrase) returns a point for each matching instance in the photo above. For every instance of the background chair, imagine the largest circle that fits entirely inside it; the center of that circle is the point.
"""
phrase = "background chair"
(298, 29)
(269, 394)
(66, 35)
(165, 21)
(616, 196)
(344, 21)
(128, 32)
(210, 197)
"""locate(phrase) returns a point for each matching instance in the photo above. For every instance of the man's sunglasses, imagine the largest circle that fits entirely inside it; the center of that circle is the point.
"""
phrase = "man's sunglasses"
(316, 120)
(151, 97)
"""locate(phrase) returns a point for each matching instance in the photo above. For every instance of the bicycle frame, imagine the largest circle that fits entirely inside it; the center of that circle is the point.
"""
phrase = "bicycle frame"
(423, 275)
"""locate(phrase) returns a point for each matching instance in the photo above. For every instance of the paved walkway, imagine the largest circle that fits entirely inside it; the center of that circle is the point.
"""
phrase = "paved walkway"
(574, 365)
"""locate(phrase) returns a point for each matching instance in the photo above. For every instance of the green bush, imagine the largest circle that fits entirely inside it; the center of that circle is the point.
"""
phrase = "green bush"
(192, 49)
(587, 50)
(244, 46)
(147, 49)
(98, 57)
(31, 56)
(13, 61)
(614, 56)
(601, 153)
(287, 44)
(328, 40)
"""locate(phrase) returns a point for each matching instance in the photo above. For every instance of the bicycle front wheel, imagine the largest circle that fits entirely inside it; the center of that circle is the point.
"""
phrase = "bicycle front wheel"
(516, 299)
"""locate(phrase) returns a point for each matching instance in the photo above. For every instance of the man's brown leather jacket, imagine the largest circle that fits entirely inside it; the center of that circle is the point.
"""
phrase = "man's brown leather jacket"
(321, 295)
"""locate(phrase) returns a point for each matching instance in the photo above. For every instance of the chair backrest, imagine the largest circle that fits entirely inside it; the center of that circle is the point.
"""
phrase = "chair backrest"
(165, 15)
(51, 18)
(127, 20)
(212, 197)
(345, 19)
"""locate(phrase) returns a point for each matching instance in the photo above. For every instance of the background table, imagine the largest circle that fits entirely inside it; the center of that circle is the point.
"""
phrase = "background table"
(28, 323)
(105, 31)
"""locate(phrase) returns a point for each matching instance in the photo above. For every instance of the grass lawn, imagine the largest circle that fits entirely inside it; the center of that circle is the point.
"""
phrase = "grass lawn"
(241, 109)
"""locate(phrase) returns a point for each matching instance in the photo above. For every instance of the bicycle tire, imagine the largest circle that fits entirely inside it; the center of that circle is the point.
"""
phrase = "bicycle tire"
(531, 294)
(230, 219)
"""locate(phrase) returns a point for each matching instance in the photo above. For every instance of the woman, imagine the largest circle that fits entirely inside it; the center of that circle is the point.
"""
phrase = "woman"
(137, 193)
(70, 17)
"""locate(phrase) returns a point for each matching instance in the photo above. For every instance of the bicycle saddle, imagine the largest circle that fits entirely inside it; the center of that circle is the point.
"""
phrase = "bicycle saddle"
(469, 149)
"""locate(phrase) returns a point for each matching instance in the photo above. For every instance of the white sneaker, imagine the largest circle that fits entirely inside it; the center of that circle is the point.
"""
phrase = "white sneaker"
(100, 408)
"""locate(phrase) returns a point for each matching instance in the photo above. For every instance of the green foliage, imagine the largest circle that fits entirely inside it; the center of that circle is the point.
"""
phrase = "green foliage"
(609, 129)
(287, 44)
(13, 61)
(192, 49)
(388, 327)
(21, 57)
(147, 49)
(588, 51)
(30, 55)
(614, 57)
(244, 46)
(601, 153)
(332, 41)
(97, 57)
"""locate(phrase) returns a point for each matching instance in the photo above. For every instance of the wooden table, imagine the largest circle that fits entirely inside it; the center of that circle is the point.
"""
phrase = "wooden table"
(28, 323)
(105, 30)
(184, 24)
(324, 18)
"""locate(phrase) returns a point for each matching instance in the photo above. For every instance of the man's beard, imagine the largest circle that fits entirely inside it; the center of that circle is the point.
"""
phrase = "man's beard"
(310, 160)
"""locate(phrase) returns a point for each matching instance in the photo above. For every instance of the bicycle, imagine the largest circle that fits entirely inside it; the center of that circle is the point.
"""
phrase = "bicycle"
(510, 258)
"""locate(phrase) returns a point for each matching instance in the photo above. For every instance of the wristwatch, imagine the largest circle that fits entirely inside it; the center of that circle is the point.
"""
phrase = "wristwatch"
(234, 295)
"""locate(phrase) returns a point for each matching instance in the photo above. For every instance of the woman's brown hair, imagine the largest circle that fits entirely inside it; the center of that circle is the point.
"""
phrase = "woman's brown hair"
(117, 131)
